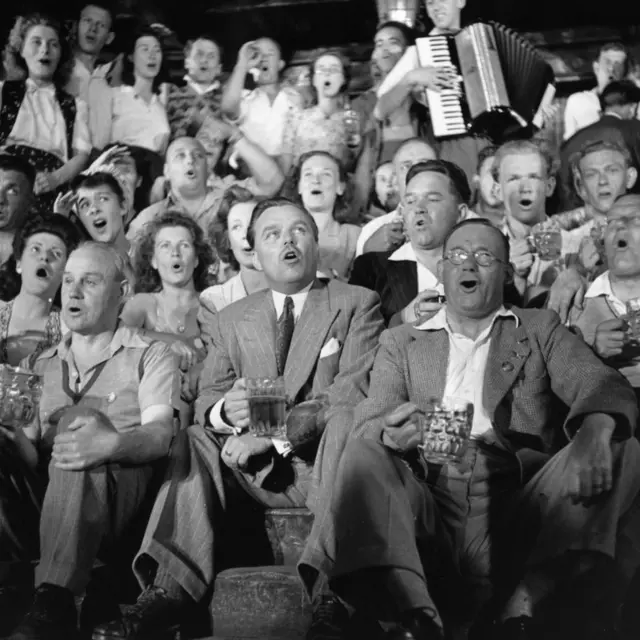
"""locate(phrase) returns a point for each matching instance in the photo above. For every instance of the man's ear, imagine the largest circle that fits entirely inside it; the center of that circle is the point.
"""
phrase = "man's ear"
(596, 67)
(551, 185)
(508, 273)
(126, 290)
(461, 4)
(632, 176)
(256, 261)
(498, 192)
(109, 39)
(463, 212)
(281, 65)
(340, 188)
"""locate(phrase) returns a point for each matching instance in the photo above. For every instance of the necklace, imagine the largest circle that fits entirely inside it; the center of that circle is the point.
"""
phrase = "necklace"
(177, 319)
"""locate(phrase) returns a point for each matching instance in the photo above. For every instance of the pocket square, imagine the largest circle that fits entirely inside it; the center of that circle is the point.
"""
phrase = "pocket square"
(333, 346)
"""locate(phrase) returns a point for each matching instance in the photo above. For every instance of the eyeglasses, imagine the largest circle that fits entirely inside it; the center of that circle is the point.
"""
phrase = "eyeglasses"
(482, 258)
(623, 221)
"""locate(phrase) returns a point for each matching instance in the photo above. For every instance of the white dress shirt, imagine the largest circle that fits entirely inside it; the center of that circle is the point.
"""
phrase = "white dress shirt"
(40, 123)
(92, 87)
(466, 368)
(582, 109)
(215, 414)
(262, 121)
(426, 279)
(138, 123)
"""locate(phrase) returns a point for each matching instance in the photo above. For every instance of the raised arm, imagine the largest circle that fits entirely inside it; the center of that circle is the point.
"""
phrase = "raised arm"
(232, 95)
(264, 169)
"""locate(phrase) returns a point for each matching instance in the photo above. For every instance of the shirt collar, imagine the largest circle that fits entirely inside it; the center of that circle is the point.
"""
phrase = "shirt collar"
(298, 300)
(440, 322)
(32, 87)
(125, 88)
(198, 89)
(507, 229)
(122, 337)
(601, 286)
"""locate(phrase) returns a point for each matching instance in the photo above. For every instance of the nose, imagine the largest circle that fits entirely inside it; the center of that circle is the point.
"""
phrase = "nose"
(602, 179)
(74, 291)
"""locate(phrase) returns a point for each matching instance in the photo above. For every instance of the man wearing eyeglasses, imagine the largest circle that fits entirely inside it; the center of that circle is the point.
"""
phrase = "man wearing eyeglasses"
(539, 492)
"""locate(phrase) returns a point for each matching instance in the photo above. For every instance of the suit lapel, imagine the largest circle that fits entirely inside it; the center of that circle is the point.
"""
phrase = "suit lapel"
(257, 338)
(428, 360)
(308, 338)
(508, 352)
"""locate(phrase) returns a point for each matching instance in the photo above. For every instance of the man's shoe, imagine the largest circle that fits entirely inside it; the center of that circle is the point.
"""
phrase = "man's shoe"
(417, 625)
(52, 616)
(520, 628)
(329, 619)
(14, 602)
(155, 616)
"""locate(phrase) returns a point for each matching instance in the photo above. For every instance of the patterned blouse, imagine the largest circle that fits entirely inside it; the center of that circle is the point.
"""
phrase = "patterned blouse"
(51, 337)
(311, 130)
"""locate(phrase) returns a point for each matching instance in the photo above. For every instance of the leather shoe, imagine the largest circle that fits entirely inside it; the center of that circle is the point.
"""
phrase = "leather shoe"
(155, 616)
(329, 619)
(417, 624)
(52, 616)
(520, 628)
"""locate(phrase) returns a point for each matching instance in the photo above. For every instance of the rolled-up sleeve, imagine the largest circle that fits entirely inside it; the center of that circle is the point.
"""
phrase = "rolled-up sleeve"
(160, 381)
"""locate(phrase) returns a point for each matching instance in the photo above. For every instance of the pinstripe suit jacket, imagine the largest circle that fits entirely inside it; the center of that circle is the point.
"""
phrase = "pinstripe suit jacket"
(244, 338)
(529, 366)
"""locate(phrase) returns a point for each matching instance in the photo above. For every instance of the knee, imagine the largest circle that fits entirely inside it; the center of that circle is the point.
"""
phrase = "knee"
(364, 458)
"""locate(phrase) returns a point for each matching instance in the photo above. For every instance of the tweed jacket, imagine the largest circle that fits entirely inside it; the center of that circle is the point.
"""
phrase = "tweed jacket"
(244, 338)
(530, 367)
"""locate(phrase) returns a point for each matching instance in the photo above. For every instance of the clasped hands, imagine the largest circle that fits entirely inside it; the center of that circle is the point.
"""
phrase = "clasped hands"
(88, 441)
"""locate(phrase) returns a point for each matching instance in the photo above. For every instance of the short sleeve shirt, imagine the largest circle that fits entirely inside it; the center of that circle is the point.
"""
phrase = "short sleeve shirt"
(136, 374)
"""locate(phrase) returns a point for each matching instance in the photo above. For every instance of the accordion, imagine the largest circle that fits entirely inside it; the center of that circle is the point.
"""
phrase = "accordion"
(505, 82)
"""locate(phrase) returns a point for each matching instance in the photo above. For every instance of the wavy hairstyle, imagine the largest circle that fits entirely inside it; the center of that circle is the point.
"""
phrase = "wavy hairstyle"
(342, 211)
(13, 59)
(219, 231)
(128, 74)
(147, 279)
(56, 225)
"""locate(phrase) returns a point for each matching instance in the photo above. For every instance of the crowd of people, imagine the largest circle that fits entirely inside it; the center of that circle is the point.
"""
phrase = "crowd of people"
(163, 244)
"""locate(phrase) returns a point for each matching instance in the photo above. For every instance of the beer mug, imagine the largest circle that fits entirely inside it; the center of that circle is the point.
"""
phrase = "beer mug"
(20, 392)
(633, 320)
(445, 428)
(546, 238)
(267, 407)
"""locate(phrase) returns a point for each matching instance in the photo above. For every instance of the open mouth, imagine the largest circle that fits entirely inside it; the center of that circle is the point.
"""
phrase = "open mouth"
(327, 84)
(45, 62)
(43, 273)
(604, 194)
(469, 285)
(73, 309)
(621, 244)
(420, 222)
(99, 224)
(525, 203)
(264, 68)
(190, 173)
(290, 256)
(316, 192)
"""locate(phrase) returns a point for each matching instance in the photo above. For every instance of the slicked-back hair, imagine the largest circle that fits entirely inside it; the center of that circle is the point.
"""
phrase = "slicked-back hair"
(272, 203)
(9, 162)
(457, 177)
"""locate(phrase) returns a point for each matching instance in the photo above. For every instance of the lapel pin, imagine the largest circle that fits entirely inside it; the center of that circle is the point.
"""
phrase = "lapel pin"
(507, 366)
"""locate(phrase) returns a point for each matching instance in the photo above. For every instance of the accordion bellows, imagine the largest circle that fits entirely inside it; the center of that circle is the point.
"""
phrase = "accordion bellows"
(505, 82)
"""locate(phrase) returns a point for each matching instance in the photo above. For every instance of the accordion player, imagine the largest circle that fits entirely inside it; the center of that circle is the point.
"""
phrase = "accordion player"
(505, 82)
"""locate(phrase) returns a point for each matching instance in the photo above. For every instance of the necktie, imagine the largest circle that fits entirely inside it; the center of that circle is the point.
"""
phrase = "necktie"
(284, 333)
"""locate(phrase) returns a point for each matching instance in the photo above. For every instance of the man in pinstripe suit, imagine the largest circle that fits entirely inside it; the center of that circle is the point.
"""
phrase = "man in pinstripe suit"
(335, 331)
(522, 499)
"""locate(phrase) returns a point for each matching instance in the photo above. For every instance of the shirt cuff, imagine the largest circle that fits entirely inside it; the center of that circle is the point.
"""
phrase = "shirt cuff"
(216, 421)
(283, 447)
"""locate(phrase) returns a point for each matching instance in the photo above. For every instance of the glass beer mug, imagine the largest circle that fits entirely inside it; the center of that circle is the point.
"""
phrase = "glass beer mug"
(20, 392)
(445, 427)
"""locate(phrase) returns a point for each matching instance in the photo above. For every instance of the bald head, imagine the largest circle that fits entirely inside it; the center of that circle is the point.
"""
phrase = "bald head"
(186, 167)
(409, 153)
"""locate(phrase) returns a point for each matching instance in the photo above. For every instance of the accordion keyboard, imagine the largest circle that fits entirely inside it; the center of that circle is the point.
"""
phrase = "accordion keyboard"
(445, 107)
